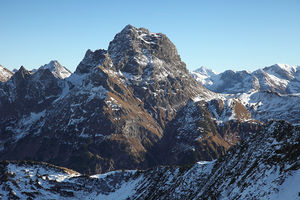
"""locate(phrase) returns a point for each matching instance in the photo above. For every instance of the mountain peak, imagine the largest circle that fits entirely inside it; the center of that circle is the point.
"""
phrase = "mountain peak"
(21, 74)
(285, 67)
(282, 71)
(132, 29)
(54, 62)
(128, 28)
(57, 69)
(205, 71)
(132, 51)
(5, 74)
(135, 44)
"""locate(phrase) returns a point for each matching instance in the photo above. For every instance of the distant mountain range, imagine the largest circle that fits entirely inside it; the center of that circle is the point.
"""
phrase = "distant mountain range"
(136, 106)
(281, 78)
(268, 93)
(54, 66)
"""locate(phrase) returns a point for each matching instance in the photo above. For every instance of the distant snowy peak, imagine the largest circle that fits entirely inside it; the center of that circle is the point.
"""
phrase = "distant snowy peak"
(5, 74)
(263, 92)
(289, 68)
(282, 71)
(205, 71)
(281, 78)
(57, 69)
(204, 75)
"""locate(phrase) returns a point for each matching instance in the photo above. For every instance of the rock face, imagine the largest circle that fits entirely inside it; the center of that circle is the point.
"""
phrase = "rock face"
(153, 68)
(203, 131)
(123, 108)
(5, 74)
(264, 166)
(263, 92)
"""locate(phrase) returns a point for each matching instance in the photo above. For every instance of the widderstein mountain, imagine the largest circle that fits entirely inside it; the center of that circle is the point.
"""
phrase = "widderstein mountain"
(134, 105)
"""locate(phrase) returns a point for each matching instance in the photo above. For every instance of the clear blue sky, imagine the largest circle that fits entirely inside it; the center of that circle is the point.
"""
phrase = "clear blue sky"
(217, 34)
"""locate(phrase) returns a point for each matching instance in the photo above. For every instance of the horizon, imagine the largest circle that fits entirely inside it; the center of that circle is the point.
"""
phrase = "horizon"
(219, 36)
(201, 67)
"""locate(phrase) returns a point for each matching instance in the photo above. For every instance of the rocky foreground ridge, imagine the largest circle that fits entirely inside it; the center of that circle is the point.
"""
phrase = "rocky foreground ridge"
(264, 166)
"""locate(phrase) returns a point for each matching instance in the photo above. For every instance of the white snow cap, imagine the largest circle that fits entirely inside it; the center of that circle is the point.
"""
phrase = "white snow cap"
(5, 74)
(57, 69)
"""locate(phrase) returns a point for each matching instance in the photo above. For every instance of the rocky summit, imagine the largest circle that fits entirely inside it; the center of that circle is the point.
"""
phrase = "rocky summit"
(132, 106)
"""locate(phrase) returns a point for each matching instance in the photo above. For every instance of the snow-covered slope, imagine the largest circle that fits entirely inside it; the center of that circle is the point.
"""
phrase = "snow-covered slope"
(33, 180)
(205, 76)
(267, 105)
(57, 69)
(281, 78)
(268, 93)
(5, 74)
(264, 166)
